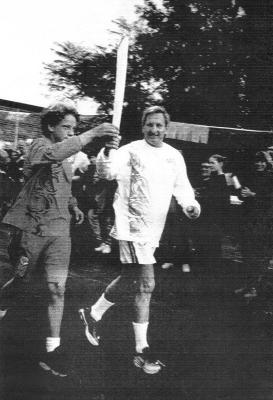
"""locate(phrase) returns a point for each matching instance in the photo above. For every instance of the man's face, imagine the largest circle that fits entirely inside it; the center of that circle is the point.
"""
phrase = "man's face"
(154, 129)
(64, 129)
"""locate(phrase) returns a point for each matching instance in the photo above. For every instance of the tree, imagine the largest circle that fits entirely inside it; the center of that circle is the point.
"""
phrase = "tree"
(208, 62)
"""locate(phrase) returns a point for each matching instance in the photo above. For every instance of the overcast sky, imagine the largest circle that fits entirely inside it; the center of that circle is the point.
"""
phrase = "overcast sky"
(29, 29)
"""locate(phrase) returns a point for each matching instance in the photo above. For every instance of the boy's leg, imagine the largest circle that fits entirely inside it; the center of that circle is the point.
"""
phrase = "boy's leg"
(56, 261)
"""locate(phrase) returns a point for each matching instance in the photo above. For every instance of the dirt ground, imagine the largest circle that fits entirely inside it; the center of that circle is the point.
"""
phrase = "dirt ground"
(215, 345)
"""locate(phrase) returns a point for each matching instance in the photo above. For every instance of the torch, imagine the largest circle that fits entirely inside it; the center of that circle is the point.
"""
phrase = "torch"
(122, 59)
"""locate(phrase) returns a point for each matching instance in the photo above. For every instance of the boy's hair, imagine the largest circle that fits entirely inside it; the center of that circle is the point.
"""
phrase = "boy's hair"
(155, 110)
(55, 113)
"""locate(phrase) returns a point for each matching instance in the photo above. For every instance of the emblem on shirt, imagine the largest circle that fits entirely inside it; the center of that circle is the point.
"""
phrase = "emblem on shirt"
(138, 198)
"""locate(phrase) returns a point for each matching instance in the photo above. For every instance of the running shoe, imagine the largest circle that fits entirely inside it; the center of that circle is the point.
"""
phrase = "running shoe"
(55, 362)
(148, 361)
(90, 325)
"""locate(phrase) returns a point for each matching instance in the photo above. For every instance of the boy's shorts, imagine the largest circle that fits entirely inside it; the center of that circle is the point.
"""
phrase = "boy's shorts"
(48, 255)
(136, 253)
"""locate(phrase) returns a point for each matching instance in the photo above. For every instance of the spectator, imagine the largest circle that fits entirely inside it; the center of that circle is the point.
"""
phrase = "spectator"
(101, 215)
(4, 201)
(213, 196)
(175, 248)
(257, 222)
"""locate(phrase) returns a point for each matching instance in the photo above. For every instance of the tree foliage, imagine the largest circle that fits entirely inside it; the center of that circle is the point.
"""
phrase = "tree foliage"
(209, 62)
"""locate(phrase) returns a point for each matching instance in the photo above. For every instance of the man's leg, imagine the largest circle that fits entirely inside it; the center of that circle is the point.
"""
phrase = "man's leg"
(136, 278)
(115, 292)
(144, 358)
(145, 287)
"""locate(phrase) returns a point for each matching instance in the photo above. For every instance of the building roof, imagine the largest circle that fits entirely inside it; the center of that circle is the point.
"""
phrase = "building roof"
(22, 121)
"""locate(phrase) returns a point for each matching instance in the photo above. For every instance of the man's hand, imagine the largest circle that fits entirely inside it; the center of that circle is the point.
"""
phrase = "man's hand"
(192, 212)
(79, 215)
(112, 144)
(197, 193)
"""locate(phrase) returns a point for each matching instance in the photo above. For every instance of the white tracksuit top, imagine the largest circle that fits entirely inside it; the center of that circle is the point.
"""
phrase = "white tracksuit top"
(147, 178)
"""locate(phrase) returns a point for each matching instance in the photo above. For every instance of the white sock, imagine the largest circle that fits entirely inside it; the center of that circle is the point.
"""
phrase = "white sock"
(100, 307)
(52, 343)
(140, 330)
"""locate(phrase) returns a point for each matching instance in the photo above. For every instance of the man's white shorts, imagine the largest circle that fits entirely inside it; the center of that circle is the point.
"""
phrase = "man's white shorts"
(136, 253)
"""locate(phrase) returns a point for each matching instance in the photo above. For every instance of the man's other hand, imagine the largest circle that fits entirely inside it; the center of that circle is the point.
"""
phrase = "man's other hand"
(192, 212)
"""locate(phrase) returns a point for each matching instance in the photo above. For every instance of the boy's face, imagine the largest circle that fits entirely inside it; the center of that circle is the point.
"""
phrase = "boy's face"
(64, 129)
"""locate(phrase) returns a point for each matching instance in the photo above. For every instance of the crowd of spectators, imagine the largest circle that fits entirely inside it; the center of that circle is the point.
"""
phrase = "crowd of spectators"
(239, 207)
(11, 173)
(189, 246)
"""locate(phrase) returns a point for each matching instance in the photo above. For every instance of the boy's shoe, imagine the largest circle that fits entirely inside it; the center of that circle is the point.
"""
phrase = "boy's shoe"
(55, 362)
(106, 249)
(148, 362)
(91, 326)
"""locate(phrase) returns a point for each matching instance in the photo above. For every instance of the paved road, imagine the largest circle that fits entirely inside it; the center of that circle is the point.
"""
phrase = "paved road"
(212, 343)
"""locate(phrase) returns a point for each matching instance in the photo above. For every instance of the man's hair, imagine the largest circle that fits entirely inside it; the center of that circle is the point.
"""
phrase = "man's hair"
(55, 113)
(155, 110)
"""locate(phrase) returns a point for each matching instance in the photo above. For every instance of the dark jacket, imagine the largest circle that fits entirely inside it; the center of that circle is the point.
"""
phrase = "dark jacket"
(214, 200)
(259, 207)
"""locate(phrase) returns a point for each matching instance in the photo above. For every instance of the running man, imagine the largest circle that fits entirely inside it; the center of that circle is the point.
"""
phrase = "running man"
(148, 173)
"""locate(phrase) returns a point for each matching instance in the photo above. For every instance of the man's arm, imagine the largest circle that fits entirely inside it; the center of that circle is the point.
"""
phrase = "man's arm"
(111, 162)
